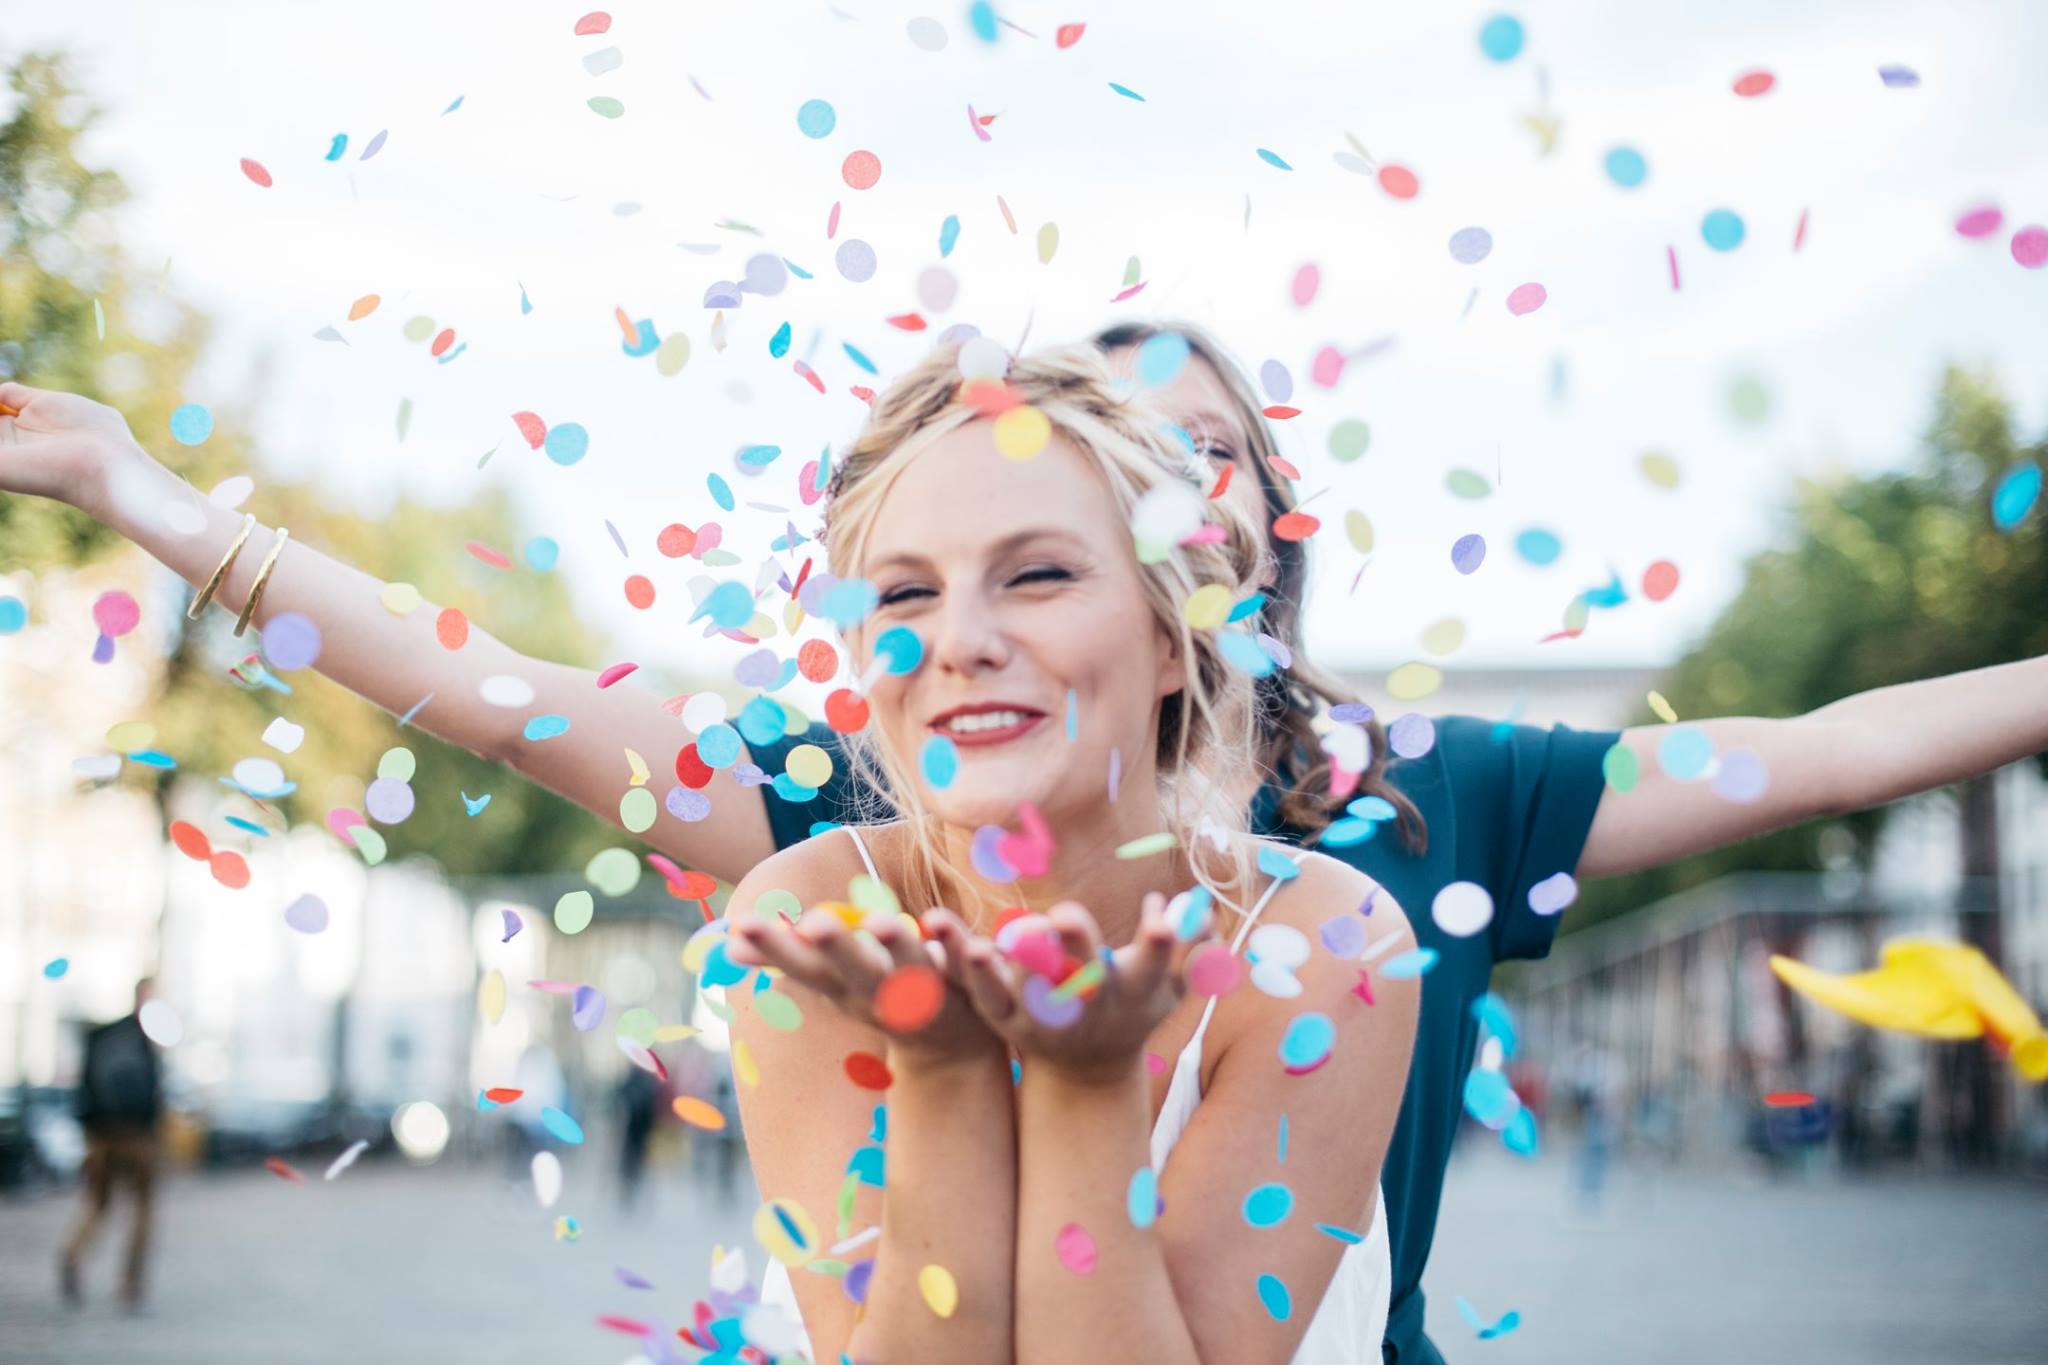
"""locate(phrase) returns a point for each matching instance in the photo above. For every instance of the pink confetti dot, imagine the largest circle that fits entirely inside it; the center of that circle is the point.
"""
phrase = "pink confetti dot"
(2030, 246)
(115, 613)
(1981, 221)
(1213, 970)
(1753, 83)
(1526, 298)
(1306, 281)
(1075, 1248)
(861, 170)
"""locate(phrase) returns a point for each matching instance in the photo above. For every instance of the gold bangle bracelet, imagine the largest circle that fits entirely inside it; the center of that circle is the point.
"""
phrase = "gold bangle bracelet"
(262, 577)
(220, 575)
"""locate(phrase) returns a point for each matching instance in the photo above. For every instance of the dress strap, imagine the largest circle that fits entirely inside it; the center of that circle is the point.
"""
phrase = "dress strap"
(1236, 942)
(854, 835)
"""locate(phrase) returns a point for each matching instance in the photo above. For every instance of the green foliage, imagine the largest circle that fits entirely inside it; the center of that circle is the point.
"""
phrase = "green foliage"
(1881, 580)
(58, 255)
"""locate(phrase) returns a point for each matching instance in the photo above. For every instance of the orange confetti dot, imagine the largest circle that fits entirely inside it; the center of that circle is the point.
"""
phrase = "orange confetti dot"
(1294, 526)
(442, 342)
(451, 628)
(699, 1113)
(676, 540)
(817, 660)
(191, 840)
(1069, 34)
(861, 170)
(909, 998)
(868, 1071)
(230, 869)
(1280, 412)
(283, 1169)
(1660, 580)
(846, 711)
(1222, 481)
(1750, 84)
(363, 307)
(502, 1094)
(1399, 181)
(640, 592)
(254, 170)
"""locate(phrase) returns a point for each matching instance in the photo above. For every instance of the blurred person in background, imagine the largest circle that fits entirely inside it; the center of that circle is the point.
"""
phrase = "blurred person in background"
(639, 1102)
(120, 1100)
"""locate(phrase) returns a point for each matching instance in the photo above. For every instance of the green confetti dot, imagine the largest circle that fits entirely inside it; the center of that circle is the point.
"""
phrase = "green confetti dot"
(1349, 439)
(606, 106)
(778, 1011)
(1466, 483)
(615, 871)
(778, 902)
(1619, 767)
(573, 912)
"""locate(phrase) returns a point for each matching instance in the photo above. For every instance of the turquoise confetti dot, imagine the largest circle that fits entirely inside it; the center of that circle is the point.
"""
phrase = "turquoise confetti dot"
(758, 457)
(337, 146)
(1247, 607)
(1308, 1040)
(1141, 1200)
(2016, 495)
(729, 605)
(1722, 230)
(815, 118)
(981, 17)
(1488, 1097)
(547, 727)
(721, 491)
(567, 443)
(1273, 159)
(1241, 650)
(1626, 167)
(1521, 1136)
(1372, 808)
(561, 1125)
(1344, 1235)
(13, 615)
(949, 234)
(762, 722)
(795, 269)
(853, 353)
(718, 744)
(939, 762)
(1346, 832)
(1268, 1205)
(1127, 92)
(1413, 963)
(901, 647)
(191, 424)
(848, 602)
(56, 967)
(1538, 546)
(1685, 753)
(1501, 38)
(789, 789)
(1161, 359)
(1277, 865)
(644, 342)
(541, 553)
(778, 345)
(1273, 1294)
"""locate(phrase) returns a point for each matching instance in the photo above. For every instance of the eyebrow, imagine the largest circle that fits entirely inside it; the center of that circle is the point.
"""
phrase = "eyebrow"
(911, 558)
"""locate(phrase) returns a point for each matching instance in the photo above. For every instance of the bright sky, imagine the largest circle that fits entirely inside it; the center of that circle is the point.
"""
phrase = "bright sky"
(524, 184)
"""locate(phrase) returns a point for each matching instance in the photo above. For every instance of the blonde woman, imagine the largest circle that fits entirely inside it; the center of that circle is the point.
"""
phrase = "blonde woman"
(1060, 676)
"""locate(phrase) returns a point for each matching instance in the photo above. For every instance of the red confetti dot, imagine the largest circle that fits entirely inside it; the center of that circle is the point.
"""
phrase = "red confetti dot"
(868, 1071)
(863, 393)
(1660, 580)
(809, 375)
(1399, 181)
(191, 840)
(692, 771)
(1294, 526)
(230, 869)
(1069, 34)
(817, 660)
(909, 998)
(451, 628)
(494, 558)
(676, 540)
(531, 427)
(861, 170)
(640, 592)
(1788, 1099)
(597, 21)
(846, 711)
(254, 170)
(443, 341)
(909, 322)
(693, 886)
(1280, 412)
(1285, 467)
(1222, 481)
(502, 1094)
(1750, 84)
(282, 1169)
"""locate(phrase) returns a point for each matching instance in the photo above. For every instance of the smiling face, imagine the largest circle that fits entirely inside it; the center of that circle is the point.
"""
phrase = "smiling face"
(1020, 579)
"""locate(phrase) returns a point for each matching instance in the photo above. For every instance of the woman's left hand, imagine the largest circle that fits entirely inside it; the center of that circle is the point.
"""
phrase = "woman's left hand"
(1099, 1031)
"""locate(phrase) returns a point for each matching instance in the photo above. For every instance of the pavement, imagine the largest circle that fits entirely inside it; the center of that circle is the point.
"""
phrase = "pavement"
(457, 1263)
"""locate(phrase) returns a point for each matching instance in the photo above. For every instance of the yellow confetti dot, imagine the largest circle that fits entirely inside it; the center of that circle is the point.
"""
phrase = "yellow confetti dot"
(785, 1231)
(698, 950)
(1145, 845)
(792, 616)
(761, 626)
(1021, 433)
(809, 765)
(1048, 242)
(638, 766)
(941, 1294)
(1358, 526)
(1414, 680)
(1660, 469)
(672, 355)
(675, 1033)
(418, 328)
(490, 996)
(130, 736)
(743, 1065)
(849, 915)
(1443, 637)
(699, 1113)
(637, 809)
(400, 599)
(1663, 708)
(1207, 607)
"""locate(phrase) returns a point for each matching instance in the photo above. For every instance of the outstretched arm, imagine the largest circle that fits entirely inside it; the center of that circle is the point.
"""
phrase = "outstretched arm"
(81, 452)
(1862, 751)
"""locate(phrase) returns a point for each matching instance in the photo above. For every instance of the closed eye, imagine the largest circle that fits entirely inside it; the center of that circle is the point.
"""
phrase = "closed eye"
(1044, 573)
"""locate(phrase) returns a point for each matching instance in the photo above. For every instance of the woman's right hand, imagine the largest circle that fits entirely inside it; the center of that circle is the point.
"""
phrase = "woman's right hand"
(59, 445)
(848, 967)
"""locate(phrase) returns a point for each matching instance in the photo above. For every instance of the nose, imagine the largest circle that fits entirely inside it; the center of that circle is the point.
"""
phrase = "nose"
(967, 636)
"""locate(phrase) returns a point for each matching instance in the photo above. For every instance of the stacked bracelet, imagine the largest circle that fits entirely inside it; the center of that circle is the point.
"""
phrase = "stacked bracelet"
(220, 574)
(262, 578)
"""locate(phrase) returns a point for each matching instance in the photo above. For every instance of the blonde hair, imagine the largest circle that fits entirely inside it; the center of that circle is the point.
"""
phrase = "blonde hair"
(1207, 734)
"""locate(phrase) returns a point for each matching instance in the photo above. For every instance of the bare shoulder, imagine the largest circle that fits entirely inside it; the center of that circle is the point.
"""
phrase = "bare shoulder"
(817, 869)
(1324, 888)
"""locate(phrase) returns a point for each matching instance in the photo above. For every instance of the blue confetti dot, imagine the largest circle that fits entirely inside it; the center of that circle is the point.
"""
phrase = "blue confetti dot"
(1501, 38)
(1268, 1205)
(561, 1125)
(1520, 1136)
(191, 424)
(1538, 546)
(1685, 753)
(1273, 1294)
(2016, 495)
(1308, 1040)
(901, 647)
(816, 119)
(848, 602)
(547, 727)
(13, 615)
(778, 345)
(762, 722)
(1722, 230)
(939, 762)
(1141, 1200)
(567, 443)
(541, 553)
(1626, 167)
(721, 491)
(1468, 553)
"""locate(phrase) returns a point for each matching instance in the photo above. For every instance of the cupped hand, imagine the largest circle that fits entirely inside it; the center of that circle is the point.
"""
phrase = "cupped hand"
(883, 975)
(59, 445)
(1096, 1029)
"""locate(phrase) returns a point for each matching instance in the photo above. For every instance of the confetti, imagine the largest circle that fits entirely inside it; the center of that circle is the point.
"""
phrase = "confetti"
(1127, 92)
(1722, 230)
(1273, 159)
(941, 1294)
(861, 170)
(1524, 299)
(2030, 247)
(1471, 245)
(1075, 1249)
(1500, 38)
(191, 424)
(1268, 1205)
(1750, 84)
(816, 119)
(254, 170)
(1625, 167)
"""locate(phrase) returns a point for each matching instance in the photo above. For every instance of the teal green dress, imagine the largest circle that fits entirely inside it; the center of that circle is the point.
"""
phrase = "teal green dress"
(1505, 806)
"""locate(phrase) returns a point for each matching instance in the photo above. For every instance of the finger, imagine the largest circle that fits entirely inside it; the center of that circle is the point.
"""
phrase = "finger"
(14, 397)
(860, 961)
(898, 939)
(948, 944)
(774, 944)
(1079, 937)
(1151, 952)
(989, 984)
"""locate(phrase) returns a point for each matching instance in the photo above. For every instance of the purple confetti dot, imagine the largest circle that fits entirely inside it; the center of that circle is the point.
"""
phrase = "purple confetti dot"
(758, 669)
(1412, 735)
(1351, 713)
(307, 914)
(724, 294)
(1344, 935)
(986, 855)
(587, 1011)
(1553, 893)
(857, 1277)
(291, 641)
(1278, 384)
(388, 801)
(1468, 553)
(687, 804)
(856, 260)
(1038, 999)
(1742, 777)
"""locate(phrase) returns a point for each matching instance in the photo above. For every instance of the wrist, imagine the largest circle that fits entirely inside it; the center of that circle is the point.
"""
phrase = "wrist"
(951, 1064)
(123, 487)
(1108, 1076)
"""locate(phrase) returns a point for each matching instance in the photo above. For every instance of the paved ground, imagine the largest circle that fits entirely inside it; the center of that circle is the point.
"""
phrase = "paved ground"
(448, 1266)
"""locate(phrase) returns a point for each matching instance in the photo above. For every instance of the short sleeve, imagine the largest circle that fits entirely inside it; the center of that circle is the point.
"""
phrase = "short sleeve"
(792, 822)
(1526, 797)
